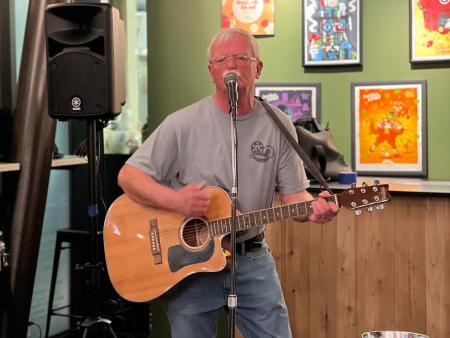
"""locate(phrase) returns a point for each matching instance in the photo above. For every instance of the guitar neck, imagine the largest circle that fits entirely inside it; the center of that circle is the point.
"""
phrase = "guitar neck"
(261, 217)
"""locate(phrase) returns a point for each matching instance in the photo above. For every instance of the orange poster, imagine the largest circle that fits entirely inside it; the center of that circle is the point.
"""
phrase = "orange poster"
(389, 127)
(255, 16)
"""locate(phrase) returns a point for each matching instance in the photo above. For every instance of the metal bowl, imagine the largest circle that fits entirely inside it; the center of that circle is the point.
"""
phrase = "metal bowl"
(392, 334)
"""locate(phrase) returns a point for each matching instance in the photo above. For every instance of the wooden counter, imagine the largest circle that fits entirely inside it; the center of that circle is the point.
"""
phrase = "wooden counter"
(386, 270)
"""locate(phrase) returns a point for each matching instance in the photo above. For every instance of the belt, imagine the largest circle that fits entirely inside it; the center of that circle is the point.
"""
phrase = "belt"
(250, 245)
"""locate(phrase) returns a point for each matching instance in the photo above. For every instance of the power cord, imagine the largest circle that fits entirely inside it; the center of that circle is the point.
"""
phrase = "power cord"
(37, 325)
(82, 152)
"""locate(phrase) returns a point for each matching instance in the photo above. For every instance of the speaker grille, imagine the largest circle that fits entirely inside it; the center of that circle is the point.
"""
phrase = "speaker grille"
(77, 85)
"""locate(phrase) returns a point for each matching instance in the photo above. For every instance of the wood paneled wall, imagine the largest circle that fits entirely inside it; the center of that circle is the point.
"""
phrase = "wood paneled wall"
(386, 270)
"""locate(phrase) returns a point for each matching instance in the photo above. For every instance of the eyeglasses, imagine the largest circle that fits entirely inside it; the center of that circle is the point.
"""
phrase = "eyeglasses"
(239, 59)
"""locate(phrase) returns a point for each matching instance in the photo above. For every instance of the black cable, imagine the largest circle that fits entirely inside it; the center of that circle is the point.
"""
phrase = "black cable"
(81, 151)
(100, 160)
(38, 326)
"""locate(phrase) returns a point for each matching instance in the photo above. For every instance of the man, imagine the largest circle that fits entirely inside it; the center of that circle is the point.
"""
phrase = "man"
(190, 150)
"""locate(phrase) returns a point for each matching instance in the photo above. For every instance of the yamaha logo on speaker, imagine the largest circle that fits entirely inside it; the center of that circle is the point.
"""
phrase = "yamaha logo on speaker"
(76, 103)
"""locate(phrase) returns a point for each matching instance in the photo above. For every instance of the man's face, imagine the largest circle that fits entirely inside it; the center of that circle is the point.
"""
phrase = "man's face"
(249, 71)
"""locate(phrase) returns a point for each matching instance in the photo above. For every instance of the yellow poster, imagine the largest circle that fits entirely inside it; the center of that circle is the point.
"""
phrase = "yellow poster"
(255, 16)
(430, 30)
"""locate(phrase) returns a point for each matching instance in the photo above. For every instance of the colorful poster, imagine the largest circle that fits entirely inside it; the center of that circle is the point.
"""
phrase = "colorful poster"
(430, 30)
(255, 16)
(389, 134)
(296, 100)
(331, 32)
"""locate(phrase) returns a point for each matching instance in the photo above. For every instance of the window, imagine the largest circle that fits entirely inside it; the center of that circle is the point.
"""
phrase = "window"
(123, 134)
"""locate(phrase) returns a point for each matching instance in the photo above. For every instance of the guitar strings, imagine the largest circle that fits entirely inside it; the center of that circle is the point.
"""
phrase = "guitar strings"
(193, 233)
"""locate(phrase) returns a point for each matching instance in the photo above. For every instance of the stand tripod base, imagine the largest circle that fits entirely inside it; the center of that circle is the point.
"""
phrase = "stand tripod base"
(97, 327)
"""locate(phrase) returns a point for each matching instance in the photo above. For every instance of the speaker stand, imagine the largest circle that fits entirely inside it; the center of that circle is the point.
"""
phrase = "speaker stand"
(96, 325)
(94, 322)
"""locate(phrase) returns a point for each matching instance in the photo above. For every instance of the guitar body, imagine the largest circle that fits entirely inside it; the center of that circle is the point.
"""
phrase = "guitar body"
(149, 250)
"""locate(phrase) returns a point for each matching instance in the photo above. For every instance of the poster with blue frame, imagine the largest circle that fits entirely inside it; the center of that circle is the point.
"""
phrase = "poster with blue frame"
(331, 32)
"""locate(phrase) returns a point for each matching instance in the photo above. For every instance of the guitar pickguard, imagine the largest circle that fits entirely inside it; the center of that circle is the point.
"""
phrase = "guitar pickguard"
(179, 257)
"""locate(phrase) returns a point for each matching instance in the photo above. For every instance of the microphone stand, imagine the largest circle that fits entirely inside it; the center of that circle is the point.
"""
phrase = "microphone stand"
(232, 297)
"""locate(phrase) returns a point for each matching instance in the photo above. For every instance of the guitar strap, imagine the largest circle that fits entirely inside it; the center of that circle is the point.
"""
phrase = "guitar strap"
(309, 164)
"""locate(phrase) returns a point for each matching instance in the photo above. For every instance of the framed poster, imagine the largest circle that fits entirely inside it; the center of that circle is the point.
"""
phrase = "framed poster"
(295, 99)
(429, 30)
(389, 128)
(255, 16)
(331, 32)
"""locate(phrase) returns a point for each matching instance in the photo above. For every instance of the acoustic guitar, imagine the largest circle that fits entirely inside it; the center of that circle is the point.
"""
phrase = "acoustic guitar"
(149, 250)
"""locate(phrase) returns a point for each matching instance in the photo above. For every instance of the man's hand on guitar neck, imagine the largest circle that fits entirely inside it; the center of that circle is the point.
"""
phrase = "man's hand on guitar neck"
(323, 211)
(193, 200)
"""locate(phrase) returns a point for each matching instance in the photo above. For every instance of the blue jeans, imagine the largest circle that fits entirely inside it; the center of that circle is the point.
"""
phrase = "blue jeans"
(261, 311)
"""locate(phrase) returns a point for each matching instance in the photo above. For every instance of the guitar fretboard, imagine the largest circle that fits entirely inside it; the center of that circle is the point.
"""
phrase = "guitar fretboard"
(261, 217)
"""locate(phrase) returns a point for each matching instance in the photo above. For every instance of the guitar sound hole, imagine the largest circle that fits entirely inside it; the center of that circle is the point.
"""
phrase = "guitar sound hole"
(195, 233)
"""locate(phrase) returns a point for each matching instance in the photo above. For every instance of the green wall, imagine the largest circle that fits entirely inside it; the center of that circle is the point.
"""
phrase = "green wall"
(179, 33)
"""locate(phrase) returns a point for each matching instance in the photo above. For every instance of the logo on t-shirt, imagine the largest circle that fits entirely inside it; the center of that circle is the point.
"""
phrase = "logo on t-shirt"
(259, 152)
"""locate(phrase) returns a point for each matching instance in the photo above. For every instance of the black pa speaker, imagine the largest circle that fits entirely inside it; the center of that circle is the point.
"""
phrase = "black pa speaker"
(85, 60)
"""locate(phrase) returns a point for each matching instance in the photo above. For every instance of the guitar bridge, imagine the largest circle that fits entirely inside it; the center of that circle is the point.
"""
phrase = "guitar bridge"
(154, 241)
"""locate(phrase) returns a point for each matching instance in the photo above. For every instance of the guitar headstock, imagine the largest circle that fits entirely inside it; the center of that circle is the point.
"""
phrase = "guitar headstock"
(364, 197)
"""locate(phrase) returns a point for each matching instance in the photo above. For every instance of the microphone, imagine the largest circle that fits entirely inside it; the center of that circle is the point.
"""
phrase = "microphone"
(231, 80)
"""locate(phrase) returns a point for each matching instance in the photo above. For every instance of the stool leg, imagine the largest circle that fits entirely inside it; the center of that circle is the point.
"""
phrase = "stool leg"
(53, 283)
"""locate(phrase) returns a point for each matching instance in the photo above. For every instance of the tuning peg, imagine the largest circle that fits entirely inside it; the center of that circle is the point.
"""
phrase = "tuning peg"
(376, 182)
(353, 185)
(358, 212)
(370, 209)
(380, 206)
(364, 184)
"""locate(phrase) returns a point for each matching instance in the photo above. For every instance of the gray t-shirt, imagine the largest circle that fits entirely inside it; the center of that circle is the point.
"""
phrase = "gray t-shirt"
(193, 145)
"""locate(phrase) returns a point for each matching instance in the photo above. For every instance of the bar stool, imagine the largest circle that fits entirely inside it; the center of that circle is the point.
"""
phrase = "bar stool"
(74, 237)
